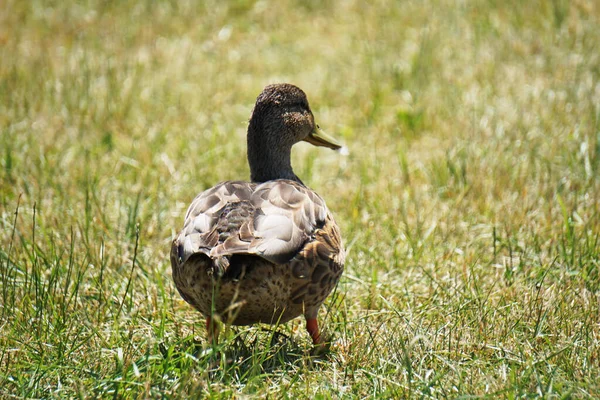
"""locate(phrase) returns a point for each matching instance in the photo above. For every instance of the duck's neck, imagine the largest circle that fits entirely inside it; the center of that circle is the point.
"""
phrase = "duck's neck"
(268, 157)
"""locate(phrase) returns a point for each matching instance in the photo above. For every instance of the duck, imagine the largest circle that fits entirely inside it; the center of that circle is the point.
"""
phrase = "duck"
(266, 250)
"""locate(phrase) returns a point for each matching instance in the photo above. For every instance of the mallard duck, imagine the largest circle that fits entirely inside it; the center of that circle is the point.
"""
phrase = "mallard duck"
(264, 251)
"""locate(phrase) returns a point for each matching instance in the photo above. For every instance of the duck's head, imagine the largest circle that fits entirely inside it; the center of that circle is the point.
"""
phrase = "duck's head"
(282, 114)
(280, 119)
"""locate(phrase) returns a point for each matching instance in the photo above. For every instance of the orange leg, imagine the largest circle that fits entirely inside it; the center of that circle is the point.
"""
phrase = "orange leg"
(313, 330)
(212, 330)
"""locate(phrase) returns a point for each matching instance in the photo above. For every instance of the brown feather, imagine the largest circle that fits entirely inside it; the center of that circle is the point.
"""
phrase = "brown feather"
(279, 233)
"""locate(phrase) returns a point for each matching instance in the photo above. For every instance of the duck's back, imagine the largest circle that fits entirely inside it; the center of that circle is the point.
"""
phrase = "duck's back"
(257, 252)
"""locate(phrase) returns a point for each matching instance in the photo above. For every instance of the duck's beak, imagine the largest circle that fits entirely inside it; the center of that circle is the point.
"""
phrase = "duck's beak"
(319, 138)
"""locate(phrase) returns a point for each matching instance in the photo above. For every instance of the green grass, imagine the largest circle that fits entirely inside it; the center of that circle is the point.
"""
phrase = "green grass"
(469, 203)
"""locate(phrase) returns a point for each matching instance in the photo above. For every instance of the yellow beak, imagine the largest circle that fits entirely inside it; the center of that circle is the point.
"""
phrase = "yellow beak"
(319, 138)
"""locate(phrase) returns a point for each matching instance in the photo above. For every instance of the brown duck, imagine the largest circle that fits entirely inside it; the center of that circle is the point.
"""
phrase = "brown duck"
(267, 250)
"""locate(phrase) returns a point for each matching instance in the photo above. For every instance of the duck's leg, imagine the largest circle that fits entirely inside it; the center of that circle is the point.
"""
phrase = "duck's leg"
(212, 330)
(312, 326)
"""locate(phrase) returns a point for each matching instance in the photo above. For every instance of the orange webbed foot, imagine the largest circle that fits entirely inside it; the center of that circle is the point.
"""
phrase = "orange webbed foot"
(312, 326)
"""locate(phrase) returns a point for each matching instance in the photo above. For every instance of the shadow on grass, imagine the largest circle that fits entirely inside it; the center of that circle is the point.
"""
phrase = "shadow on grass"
(243, 357)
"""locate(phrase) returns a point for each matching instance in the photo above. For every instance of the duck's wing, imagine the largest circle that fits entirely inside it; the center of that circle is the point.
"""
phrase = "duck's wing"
(285, 218)
(275, 220)
(199, 233)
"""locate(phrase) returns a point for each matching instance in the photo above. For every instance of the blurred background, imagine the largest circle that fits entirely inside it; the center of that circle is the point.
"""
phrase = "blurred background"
(469, 200)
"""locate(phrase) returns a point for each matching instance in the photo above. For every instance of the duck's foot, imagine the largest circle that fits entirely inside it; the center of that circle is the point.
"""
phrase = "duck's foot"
(312, 326)
(322, 346)
(321, 349)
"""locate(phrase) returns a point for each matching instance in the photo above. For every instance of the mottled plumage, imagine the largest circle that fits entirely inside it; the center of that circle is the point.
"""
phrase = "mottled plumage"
(268, 250)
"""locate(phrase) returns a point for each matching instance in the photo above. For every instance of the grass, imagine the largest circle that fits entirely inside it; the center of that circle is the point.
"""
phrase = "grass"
(469, 202)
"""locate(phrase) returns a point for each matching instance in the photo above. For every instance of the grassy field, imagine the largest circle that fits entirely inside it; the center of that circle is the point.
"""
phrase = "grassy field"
(469, 202)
